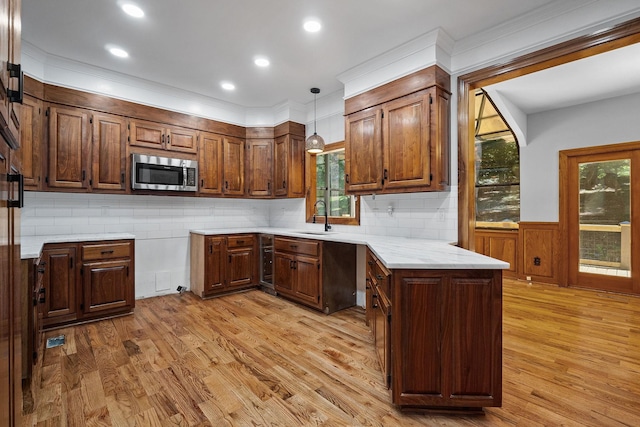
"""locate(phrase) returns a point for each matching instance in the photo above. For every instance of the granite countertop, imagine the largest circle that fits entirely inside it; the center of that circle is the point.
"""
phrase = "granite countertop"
(394, 252)
(31, 246)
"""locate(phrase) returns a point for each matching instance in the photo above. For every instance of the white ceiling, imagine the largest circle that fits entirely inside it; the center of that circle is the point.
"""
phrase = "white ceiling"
(195, 44)
(606, 75)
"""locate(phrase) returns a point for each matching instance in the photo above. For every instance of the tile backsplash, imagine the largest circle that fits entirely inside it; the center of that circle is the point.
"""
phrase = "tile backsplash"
(417, 215)
(161, 224)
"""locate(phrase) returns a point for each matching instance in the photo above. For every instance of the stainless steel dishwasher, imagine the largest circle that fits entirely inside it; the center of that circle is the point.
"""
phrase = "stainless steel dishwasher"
(266, 263)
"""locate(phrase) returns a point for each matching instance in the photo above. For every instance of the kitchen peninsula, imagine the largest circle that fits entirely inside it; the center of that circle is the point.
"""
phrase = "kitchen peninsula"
(435, 311)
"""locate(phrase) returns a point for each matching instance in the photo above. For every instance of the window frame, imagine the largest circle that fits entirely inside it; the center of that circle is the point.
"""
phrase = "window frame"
(311, 194)
(494, 224)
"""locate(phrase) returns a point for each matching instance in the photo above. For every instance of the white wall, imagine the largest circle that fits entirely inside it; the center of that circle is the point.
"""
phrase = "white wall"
(160, 224)
(605, 122)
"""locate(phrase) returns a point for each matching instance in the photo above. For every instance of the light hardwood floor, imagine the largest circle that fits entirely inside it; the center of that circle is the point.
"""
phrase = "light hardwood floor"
(571, 357)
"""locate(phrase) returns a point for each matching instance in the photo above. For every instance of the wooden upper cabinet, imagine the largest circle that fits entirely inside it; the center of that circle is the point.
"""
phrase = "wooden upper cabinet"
(210, 163)
(9, 80)
(280, 165)
(233, 169)
(161, 136)
(363, 150)
(69, 147)
(288, 166)
(109, 152)
(407, 151)
(147, 134)
(181, 139)
(296, 166)
(30, 151)
(397, 136)
(260, 167)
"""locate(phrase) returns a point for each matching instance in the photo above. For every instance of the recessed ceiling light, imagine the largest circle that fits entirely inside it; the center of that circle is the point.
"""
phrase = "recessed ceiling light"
(227, 86)
(261, 62)
(133, 10)
(312, 25)
(120, 53)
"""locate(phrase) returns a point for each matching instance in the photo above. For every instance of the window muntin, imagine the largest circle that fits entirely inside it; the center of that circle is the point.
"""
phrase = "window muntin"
(497, 166)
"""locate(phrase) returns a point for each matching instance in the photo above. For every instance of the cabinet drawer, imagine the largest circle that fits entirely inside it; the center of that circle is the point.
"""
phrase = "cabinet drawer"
(302, 247)
(240, 241)
(106, 251)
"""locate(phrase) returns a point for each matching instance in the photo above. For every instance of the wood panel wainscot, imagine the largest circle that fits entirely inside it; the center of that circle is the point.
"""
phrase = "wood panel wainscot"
(539, 246)
(500, 244)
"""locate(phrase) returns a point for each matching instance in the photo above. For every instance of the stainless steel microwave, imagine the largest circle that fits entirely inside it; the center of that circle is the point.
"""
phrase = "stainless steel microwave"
(163, 173)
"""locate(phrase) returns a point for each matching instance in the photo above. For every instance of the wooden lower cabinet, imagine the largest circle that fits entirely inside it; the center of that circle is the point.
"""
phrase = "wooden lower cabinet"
(446, 339)
(32, 313)
(222, 263)
(378, 312)
(60, 284)
(318, 274)
(96, 284)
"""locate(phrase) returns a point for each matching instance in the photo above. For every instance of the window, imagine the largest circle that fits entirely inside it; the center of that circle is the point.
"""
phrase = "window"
(497, 167)
(326, 188)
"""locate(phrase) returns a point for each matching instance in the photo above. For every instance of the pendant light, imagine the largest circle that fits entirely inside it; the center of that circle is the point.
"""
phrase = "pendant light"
(315, 143)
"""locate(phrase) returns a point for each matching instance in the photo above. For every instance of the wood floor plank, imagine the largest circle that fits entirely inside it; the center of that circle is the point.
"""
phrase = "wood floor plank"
(571, 357)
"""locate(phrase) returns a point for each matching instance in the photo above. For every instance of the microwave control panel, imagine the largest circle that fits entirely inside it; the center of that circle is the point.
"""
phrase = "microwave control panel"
(191, 177)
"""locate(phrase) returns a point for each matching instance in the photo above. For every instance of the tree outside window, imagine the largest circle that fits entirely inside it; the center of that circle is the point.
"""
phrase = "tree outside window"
(326, 182)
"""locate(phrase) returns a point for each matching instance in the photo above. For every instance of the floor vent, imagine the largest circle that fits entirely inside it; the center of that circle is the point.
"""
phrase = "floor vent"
(55, 341)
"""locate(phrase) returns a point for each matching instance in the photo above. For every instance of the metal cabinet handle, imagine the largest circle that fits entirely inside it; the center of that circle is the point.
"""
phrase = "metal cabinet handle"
(168, 139)
(107, 252)
(15, 71)
(19, 178)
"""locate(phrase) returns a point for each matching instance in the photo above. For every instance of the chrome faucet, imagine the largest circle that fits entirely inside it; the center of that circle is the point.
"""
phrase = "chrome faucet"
(327, 227)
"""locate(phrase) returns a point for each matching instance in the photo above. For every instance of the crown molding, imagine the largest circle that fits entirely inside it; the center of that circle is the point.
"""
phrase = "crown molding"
(432, 48)
(548, 25)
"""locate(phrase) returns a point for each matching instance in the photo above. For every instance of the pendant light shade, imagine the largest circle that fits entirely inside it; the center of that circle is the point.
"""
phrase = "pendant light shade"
(315, 143)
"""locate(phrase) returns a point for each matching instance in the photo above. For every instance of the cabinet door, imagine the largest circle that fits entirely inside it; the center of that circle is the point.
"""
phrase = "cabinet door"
(382, 334)
(5, 285)
(295, 170)
(214, 265)
(260, 167)
(288, 166)
(240, 267)
(233, 169)
(369, 303)
(109, 152)
(210, 163)
(407, 145)
(106, 286)
(363, 151)
(9, 54)
(59, 284)
(69, 147)
(283, 272)
(307, 282)
(30, 151)
(181, 139)
(147, 134)
(280, 165)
